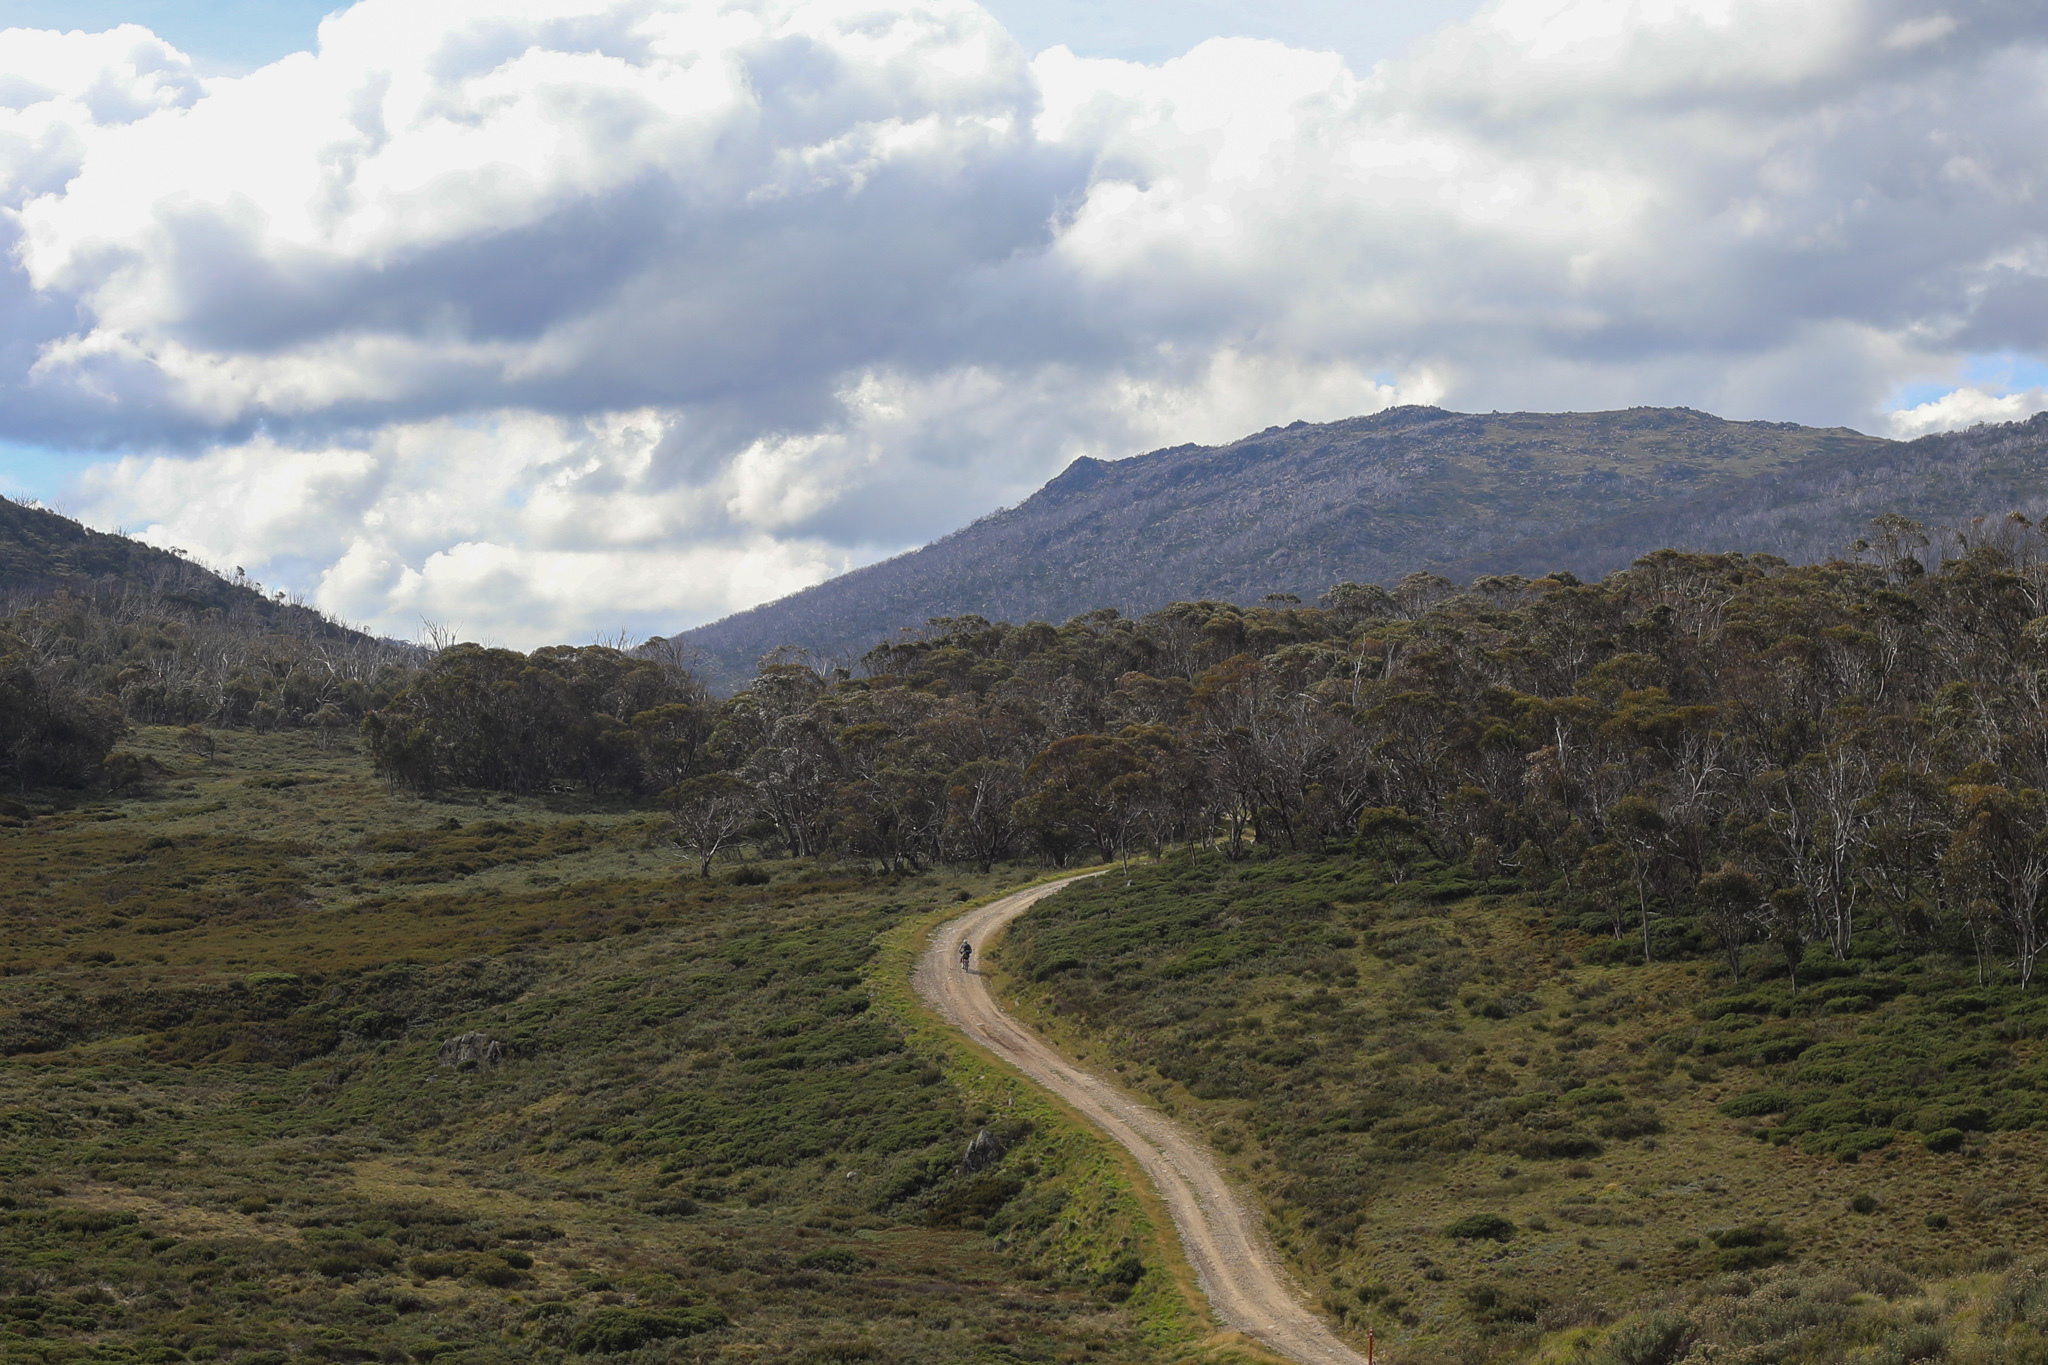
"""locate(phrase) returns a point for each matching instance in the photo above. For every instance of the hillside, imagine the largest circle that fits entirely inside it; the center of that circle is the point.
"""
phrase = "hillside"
(1296, 509)
(1616, 973)
(42, 551)
(1487, 1137)
(98, 632)
(1815, 507)
(297, 1068)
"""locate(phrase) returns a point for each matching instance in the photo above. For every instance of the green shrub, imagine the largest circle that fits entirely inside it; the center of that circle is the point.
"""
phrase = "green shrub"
(1943, 1140)
(1750, 1246)
(1125, 1269)
(1885, 1281)
(1913, 1343)
(1846, 1144)
(675, 1206)
(1492, 1304)
(612, 1330)
(1593, 1095)
(836, 1260)
(1726, 1005)
(1641, 1121)
(1557, 1146)
(1658, 1339)
(1770, 1046)
(1971, 1118)
(1476, 1226)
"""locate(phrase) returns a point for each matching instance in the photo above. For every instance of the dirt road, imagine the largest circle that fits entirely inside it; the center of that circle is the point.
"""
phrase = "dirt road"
(1224, 1237)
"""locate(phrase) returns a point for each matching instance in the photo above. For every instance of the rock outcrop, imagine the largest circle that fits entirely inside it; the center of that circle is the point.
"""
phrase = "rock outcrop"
(472, 1051)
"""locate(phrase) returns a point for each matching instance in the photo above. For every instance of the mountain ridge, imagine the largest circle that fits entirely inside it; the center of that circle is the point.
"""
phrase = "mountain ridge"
(1291, 509)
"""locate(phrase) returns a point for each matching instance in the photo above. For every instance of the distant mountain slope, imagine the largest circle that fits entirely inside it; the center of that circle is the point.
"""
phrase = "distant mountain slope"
(1293, 510)
(1813, 509)
(42, 551)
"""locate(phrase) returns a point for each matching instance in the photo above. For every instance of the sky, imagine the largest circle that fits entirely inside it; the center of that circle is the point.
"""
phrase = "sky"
(234, 37)
(545, 320)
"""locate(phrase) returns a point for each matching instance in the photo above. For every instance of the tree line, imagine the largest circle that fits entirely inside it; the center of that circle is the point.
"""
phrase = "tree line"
(80, 664)
(1700, 752)
(1718, 751)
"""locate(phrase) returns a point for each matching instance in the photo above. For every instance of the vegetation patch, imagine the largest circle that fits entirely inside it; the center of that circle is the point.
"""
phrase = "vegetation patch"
(1447, 1173)
(244, 1140)
(613, 1331)
(1476, 1225)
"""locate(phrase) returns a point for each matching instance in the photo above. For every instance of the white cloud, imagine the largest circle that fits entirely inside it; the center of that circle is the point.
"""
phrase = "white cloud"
(1965, 407)
(555, 315)
(518, 527)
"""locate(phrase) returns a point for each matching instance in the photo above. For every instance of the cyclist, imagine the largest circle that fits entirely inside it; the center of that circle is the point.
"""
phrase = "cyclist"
(966, 956)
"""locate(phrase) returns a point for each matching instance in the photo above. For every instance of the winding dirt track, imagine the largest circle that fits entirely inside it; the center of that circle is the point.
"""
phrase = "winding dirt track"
(1224, 1239)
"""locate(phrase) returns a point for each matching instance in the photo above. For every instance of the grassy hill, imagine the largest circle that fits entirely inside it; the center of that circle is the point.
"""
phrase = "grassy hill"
(42, 551)
(294, 1068)
(1488, 1135)
(1294, 510)
(99, 631)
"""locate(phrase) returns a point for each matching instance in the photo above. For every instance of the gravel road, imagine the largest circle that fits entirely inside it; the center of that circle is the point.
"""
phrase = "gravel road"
(1223, 1235)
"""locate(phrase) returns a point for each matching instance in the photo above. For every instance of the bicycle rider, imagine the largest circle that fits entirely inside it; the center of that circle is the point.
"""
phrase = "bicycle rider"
(966, 956)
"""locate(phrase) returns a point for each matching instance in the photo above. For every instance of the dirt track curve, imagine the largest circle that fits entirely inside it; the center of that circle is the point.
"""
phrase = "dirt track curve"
(1224, 1240)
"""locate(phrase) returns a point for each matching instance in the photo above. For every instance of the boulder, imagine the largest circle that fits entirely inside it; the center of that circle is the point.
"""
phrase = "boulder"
(469, 1051)
(981, 1153)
